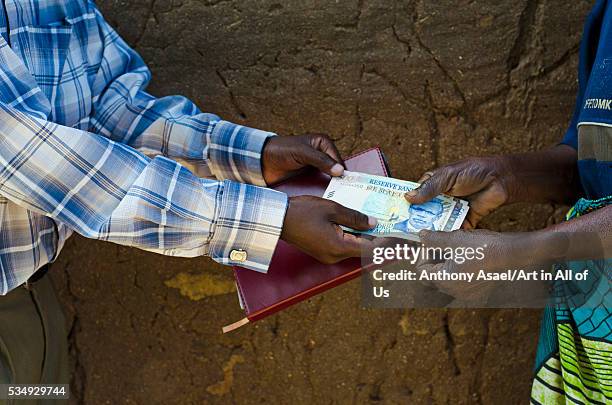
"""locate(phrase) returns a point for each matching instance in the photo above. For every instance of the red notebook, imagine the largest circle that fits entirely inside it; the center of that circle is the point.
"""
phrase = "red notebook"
(294, 276)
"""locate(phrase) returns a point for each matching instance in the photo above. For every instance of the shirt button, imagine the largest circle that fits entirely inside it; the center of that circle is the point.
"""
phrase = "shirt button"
(238, 255)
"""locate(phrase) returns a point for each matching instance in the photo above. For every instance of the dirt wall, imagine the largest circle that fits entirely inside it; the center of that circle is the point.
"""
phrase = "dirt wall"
(429, 82)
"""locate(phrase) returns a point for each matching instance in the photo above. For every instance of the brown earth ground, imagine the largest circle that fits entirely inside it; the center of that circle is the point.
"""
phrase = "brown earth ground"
(430, 82)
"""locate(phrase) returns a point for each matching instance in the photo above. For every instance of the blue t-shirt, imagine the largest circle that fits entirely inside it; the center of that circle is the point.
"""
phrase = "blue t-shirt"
(590, 131)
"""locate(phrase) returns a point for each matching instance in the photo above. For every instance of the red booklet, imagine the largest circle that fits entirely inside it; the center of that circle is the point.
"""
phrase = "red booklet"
(294, 276)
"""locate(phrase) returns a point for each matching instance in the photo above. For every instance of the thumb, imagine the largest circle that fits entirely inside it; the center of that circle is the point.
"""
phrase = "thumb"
(437, 184)
(483, 203)
(322, 161)
(353, 219)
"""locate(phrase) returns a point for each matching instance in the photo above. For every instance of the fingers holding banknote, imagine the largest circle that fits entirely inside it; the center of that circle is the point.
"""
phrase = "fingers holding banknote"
(312, 224)
(477, 180)
(285, 156)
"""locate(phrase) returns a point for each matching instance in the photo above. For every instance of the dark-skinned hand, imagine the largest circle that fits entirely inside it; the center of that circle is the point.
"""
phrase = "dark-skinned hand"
(483, 182)
(312, 224)
(499, 252)
(285, 156)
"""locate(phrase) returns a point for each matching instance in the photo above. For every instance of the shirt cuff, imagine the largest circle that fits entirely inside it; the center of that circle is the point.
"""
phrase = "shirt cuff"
(248, 225)
(234, 152)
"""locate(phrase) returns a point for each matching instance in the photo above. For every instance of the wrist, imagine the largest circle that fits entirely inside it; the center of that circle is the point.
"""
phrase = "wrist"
(517, 249)
(249, 221)
(507, 169)
(548, 175)
(543, 246)
(235, 153)
(284, 230)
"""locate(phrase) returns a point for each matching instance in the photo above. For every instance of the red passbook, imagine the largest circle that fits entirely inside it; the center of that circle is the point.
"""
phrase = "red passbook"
(294, 276)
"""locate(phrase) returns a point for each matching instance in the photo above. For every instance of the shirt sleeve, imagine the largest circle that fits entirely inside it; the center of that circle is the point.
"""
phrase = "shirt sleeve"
(107, 190)
(171, 126)
(588, 51)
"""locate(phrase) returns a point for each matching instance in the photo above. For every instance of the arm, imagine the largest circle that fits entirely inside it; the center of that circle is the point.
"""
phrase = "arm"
(547, 176)
(174, 127)
(109, 191)
(585, 237)
(489, 182)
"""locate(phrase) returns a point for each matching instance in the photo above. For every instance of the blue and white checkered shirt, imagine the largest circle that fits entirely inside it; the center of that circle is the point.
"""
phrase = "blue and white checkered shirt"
(84, 148)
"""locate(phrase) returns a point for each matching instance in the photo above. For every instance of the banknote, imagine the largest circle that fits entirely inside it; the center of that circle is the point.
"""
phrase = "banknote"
(383, 198)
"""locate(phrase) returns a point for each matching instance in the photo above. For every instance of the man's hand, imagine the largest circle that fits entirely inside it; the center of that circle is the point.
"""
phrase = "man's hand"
(483, 182)
(312, 224)
(284, 156)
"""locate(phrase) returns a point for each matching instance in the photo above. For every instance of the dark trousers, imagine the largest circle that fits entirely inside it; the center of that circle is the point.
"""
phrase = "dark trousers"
(33, 339)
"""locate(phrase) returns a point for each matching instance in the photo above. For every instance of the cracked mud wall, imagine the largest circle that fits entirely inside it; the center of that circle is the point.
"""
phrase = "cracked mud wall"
(429, 82)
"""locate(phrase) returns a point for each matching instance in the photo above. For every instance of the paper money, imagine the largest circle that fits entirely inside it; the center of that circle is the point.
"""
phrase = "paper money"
(383, 198)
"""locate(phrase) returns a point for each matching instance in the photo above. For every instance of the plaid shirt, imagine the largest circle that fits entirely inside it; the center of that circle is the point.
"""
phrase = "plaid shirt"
(84, 148)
